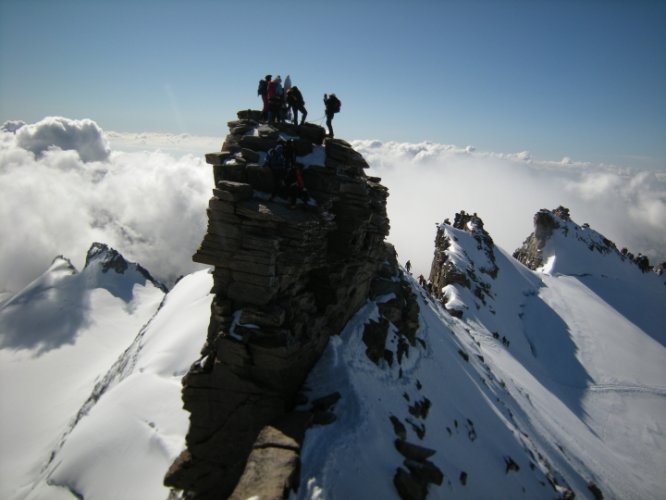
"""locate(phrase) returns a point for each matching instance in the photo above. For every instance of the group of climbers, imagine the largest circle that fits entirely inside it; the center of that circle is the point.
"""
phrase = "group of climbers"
(280, 104)
(283, 102)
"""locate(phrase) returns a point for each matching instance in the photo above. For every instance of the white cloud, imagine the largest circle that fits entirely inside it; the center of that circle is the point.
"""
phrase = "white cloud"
(12, 125)
(430, 182)
(171, 143)
(149, 205)
(83, 136)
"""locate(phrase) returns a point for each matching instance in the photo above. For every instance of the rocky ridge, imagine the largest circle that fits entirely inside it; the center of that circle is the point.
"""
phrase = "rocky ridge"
(475, 273)
(285, 280)
(109, 259)
(549, 222)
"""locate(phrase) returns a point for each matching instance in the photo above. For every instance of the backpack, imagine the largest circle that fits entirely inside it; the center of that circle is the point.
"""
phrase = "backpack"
(292, 96)
(275, 158)
(263, 87)
(334, 104)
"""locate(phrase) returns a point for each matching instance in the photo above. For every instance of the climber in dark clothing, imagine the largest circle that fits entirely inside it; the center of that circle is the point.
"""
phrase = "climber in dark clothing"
(263, 92)
(332, 104)
(289, 154)
(276, 161)
(275, 97)
(296, 103)
(296, 185)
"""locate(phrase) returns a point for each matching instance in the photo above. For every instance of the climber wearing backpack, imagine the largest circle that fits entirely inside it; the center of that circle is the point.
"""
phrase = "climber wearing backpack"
(296, 103)
(263, 92)
(276, 161)
(332, 104)
(295, 183)
(275, 96)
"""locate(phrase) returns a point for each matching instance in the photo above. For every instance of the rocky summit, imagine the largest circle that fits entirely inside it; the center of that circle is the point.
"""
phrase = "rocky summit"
(551, 225)
(286, 278)
(477, 273)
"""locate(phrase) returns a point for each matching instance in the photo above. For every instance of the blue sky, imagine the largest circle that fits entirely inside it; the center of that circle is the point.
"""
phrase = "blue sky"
(581, 79)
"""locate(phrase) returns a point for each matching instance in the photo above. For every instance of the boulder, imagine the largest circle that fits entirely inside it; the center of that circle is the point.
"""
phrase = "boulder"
(256, 143)
(233, 191)
(249, 114)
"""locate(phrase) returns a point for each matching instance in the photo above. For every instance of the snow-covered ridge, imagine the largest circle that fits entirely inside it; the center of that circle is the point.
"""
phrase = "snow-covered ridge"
(134, 406)
(107, 259)
(57, 337)
(51, 310)
(559, 245)
(538, 386)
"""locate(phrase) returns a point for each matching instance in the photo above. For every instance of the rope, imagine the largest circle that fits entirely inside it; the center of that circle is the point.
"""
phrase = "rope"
(319, 120)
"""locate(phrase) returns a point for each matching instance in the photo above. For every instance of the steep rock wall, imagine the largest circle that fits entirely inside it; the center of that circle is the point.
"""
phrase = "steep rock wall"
(285, 280)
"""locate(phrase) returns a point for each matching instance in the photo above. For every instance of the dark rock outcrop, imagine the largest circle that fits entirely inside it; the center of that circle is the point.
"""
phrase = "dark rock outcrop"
(413, 480)
(285, 280)
(530, 254)
(397, 309)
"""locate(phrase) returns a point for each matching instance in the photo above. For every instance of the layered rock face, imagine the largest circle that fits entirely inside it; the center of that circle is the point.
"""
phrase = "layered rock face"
(285, 280)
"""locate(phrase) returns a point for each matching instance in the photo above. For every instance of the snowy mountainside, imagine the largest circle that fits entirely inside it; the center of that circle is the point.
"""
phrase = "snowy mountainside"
(135, 410)
(522, 382)
(557, 246)
(57, 336)
(49, 311)
(623, 280)
(540, 389)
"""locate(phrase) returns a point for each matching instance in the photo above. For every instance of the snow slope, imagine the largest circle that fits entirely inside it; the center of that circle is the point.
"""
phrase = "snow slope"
(56, 337)
(133, 425)
(562, 375)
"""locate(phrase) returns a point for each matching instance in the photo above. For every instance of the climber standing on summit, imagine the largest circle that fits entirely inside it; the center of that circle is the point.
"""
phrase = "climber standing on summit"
(275, 96)
(263, 92)
(296, 103)
(332, 104)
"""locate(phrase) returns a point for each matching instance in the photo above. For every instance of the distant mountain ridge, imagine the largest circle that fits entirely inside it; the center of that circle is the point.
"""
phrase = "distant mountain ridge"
(59, 297)
(109, 259)
(554, 231)
(58, 337)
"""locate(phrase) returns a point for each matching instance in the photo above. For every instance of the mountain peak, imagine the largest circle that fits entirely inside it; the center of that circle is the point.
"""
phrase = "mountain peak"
(60, 262)
(464, 256)
(106, 258)
(560, 245)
